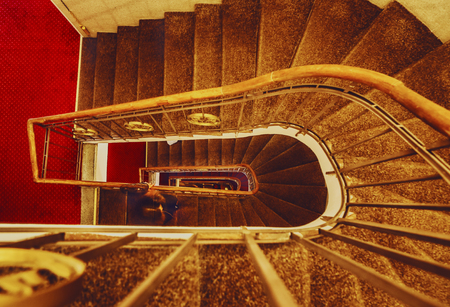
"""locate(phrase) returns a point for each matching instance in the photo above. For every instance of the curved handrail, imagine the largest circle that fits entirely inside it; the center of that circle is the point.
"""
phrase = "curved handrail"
(202, 190)
(434, 115)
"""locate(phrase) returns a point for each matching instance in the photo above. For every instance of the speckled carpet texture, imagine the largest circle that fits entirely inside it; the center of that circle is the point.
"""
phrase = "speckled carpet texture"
(38, 64)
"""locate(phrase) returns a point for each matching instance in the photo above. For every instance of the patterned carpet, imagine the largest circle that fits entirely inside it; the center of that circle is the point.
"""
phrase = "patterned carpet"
(38, 64)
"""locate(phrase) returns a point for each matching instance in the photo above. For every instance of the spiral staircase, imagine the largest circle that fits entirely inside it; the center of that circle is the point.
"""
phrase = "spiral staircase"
(394, 231)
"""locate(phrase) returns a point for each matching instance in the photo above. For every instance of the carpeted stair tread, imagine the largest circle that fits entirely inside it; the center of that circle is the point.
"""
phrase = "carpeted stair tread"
(175, 154)
(429, 76)
(178, 61)
(296, 277)
(214, 152)
(127, 57)
(251, 217)
(240, 148)
(256, 145)
(87, 74)
(239, 283)
(313, 198)
(334, 28)
(297, 155)
(267, 215)
(283, 22)
(151, 62)
(228, 151)
(206, 211)
(331, 285)
(152, 154)
(105, 69)
(151, 58)
(208, 49)
(294, 215)
(236, 212)
(222, 212)
(305, 174)
(163, 154)
(188, 152)
(239, 45)
(277, 144)
(112, 208)
(201, 152)
(187, 214)
(395, 40)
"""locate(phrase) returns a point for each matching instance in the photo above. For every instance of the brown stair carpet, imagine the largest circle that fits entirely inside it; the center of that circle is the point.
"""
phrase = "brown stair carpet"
(267, 215)
(201, 152)
(281, 28)
(251, 217)
(87, 74)
(105, 69)
(228, 151)
(334, 28)
(188, 152)
(240, 148)
(178, 61)
(208, 50)
(206, 211)
(127, 57)
(239, 44)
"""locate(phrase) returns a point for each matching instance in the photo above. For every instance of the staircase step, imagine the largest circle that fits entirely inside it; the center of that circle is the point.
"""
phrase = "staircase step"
(236, 212)
(187, 214)
(214, 152)
(313, 198)
(208, 46)
(330, 284)
(240, 148)
(395, 40)
(151, 58)
(151, 63)
(163, 154)
(87, 74)
(294, 215)
(239, 39)
(256, 145)
(208, 49)
(152, 154)
(175, 154)
(251, 217)
(231, 265)
(228, 151)
(296, 277)
(127, 58)
(267, 215)
(178, 61)
(222, 211)
(188, 153)
(105, 69)
(284, 22)
(305, 174)
(276, 145)
(201, 152)
(334, 29)
(112, 208)
(206, 211)
(297, 155)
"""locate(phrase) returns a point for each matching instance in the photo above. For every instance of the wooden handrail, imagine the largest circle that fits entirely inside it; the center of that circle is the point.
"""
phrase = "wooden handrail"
(434, 115)
(202, 190)
(431, 113)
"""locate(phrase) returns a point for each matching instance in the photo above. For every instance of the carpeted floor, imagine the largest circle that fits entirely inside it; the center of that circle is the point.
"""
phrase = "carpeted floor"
(38, 64)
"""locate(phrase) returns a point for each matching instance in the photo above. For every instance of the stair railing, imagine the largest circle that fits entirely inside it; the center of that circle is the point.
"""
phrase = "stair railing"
(253, 186)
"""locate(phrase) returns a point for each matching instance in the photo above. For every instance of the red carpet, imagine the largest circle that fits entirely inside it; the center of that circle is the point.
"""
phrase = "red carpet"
(124, 161)
(38, 64)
